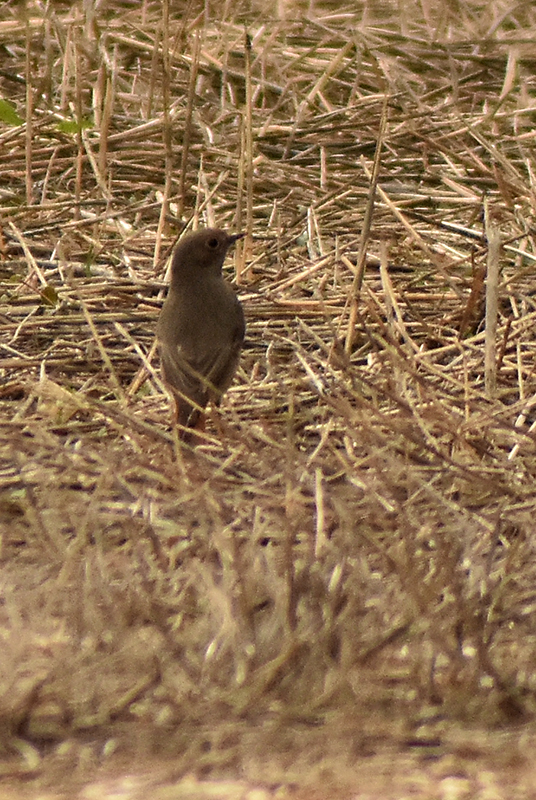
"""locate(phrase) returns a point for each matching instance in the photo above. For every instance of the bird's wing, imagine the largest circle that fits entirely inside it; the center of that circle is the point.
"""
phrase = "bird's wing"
(216, 368)
(201, 372)
(224, 366)
(181, 374)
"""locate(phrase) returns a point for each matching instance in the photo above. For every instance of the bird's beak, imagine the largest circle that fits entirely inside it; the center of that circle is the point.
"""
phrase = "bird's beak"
(235, 237)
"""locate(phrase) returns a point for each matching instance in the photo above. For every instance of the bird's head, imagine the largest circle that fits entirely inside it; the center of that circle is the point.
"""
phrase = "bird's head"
(202, 252)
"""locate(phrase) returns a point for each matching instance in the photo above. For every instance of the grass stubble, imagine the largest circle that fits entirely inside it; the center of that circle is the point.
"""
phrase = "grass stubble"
(343, 574)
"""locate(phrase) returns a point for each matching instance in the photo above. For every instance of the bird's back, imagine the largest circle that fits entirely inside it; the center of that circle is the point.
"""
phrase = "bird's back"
(200, 336)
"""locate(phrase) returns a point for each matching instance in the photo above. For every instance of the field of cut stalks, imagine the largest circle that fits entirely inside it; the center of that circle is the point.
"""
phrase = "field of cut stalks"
(335, 592)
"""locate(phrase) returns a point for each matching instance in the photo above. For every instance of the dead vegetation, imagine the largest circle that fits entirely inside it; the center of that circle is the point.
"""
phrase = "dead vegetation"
(347, 567)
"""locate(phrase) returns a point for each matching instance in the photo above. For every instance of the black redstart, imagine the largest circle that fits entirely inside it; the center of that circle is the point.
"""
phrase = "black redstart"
(201, 326)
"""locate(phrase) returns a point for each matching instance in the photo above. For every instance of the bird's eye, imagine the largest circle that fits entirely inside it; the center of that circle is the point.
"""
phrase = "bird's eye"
(213, 243)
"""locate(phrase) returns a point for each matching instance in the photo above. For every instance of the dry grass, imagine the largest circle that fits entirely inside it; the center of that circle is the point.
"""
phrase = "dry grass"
(348, 567)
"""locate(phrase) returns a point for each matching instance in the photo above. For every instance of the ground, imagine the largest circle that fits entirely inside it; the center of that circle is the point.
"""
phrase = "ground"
(332, 595)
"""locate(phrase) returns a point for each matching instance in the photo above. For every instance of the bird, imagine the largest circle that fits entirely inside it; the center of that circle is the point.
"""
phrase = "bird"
(201, 327)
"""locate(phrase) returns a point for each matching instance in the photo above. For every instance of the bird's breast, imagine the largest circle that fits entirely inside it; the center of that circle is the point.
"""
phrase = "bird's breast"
(196, 318)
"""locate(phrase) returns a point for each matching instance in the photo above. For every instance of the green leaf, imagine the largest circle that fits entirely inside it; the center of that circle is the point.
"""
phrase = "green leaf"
(8, 113)
(73, 126)
(50, 296)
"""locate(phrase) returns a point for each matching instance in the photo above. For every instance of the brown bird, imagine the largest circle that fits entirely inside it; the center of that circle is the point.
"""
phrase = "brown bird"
(201, 326)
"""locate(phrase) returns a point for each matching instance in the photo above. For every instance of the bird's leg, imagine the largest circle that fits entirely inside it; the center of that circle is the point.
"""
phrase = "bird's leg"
(189, 426)
(216, 419)
(184, 434)
(176, 410)
(193, 432)
(190, 434)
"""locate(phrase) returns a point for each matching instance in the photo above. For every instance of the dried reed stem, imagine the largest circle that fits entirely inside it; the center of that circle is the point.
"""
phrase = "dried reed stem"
(29, 117)
(365, 231)
(492, 289)
(248, 155)
(187, 128)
